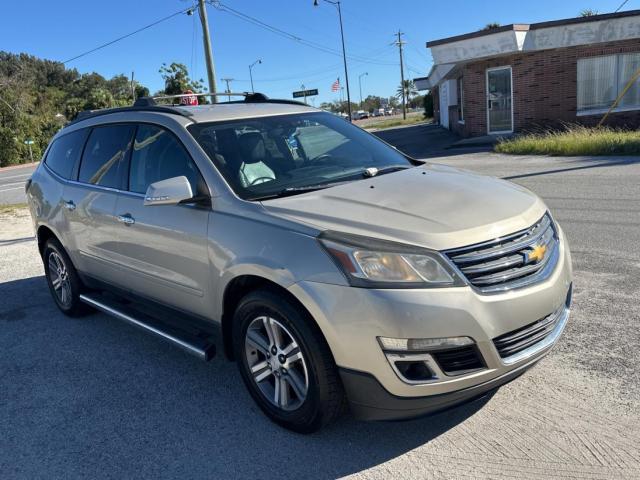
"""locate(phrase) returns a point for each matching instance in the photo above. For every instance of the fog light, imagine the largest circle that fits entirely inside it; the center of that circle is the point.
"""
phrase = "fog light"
(422, 344)
(414, 370)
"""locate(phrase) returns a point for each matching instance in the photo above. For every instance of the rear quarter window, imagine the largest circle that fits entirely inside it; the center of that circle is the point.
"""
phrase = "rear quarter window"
(65, 152)
(106, 150)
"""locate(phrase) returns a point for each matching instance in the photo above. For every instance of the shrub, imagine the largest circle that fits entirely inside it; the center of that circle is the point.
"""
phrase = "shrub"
(574, 140)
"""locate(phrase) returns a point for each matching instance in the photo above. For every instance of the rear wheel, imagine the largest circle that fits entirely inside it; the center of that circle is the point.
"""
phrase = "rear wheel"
(286, 363)
(63, 280)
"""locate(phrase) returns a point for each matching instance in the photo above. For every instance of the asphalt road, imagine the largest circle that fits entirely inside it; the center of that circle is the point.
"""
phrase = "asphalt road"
(12, 182)
(94, 398)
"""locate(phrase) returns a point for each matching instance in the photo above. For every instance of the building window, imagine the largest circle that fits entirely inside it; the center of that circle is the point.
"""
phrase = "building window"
(602, 79)
(460, 100)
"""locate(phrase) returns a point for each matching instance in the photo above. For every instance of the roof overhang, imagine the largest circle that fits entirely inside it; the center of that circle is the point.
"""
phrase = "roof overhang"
(516, 38)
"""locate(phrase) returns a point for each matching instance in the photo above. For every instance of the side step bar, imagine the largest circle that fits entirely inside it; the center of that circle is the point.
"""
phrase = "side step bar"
(202, 348)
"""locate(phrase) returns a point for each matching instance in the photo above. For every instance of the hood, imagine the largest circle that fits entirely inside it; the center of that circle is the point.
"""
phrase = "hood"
(433, 206)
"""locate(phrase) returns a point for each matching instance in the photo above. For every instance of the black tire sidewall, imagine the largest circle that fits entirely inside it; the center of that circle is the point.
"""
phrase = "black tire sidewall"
(309, 416)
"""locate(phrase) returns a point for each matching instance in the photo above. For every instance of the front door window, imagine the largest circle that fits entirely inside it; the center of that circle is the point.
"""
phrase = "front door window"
(499, 100)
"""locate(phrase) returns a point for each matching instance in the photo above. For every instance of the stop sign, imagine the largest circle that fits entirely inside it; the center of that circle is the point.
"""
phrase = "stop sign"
(189, 99)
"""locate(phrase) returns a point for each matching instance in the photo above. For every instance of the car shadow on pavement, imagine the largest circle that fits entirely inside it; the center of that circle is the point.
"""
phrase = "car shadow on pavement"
(94, 397)
(592, 162)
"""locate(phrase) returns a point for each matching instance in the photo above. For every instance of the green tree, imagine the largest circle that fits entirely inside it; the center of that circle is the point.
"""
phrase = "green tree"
(427, 102)
(176, 79)
(491, 26)
(409, 90)
(37, 97)
(588, 12)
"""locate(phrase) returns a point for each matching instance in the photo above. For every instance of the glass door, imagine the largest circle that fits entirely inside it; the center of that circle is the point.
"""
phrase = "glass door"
(499, 101)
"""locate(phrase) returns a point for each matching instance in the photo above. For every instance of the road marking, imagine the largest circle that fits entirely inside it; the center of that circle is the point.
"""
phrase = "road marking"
(11, 183)
(16, 176)
(10, 189)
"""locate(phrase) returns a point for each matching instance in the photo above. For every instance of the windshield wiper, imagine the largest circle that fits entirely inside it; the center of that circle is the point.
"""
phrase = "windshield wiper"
(296, 190)
(374, 171)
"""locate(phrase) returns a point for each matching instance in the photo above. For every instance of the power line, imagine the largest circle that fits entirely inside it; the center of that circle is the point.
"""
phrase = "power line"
(621, 5)
(185, 10)
(278, 31)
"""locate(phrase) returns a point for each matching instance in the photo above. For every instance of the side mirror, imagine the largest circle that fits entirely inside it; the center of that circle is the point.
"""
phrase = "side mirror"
(168, 192)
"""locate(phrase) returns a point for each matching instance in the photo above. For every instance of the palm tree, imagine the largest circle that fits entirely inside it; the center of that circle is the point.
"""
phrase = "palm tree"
(491, 26)
(410, 90)
(588, 12)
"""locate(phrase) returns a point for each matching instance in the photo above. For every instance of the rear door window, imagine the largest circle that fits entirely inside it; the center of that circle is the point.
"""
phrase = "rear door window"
(65, 152)
(106, 151)
(158, 155)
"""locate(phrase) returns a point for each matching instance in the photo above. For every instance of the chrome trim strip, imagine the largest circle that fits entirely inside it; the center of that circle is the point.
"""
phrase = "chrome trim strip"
(198, 352)
(542, 231)
(539, 276)
(91, 185)
(504, 238)
(547, 342)
(527, 240)
(438, 374)
(499, 264)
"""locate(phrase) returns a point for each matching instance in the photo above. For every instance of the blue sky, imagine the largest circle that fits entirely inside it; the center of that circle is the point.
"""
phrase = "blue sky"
(61, 29)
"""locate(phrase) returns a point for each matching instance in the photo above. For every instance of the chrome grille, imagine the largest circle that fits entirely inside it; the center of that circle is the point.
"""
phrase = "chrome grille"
(519, 340)
(512, 261)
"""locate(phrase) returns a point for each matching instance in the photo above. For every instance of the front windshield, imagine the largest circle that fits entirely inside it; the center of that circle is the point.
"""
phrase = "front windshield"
(281, 155)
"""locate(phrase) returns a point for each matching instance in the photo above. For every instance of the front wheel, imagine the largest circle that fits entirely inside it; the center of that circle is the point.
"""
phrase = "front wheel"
(286, 363)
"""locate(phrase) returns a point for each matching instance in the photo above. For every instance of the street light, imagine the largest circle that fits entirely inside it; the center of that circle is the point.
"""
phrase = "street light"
(360, 85)
(250, 73)
(344, 53)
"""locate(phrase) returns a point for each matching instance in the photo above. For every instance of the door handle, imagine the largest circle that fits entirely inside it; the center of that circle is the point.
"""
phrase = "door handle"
(126, 219)
(70, 205)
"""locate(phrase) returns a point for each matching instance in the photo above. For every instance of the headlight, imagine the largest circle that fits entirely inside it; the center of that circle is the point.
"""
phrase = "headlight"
(373, 263)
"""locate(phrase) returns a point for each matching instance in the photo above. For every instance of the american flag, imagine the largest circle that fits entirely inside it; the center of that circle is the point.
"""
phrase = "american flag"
(335, 86)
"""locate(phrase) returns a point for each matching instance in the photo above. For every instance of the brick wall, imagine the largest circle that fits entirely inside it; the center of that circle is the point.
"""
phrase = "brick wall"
(544, 88)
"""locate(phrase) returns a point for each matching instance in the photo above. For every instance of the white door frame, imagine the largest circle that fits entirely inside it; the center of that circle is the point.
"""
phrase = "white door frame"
(504, 67)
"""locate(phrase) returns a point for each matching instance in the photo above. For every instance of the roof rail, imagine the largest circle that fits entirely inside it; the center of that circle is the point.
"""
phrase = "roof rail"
(149, 101)
(86, 114)
(249, 97)
(148, 104)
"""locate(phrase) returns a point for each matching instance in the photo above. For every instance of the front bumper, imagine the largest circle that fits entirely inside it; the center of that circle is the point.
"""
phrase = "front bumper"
(368, 399)
(351, 319)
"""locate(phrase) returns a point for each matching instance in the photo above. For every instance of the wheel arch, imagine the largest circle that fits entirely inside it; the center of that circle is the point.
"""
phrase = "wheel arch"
(236, 290)
(43, 234)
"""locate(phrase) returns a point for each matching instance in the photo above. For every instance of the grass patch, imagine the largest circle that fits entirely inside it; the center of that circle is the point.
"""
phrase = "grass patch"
(396, 122)
(12, 209)
(574, 140)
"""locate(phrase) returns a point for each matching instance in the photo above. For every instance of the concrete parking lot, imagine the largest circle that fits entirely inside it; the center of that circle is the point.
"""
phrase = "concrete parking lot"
(94, 398)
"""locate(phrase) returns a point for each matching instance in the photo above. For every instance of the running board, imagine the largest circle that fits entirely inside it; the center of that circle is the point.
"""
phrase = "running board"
(202, 348)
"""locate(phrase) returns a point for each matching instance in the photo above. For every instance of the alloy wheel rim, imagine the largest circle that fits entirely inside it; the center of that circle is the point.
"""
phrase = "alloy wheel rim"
(276, 363)
(59, 278)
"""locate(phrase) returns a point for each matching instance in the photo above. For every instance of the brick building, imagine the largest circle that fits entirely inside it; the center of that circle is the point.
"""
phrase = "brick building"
(522, 77)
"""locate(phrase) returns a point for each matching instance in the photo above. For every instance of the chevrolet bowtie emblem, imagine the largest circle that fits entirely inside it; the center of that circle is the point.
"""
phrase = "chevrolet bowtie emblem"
(536, 254)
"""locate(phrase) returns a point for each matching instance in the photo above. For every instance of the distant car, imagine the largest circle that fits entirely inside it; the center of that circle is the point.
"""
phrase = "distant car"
(360, 114)
(378, 112)
(389, 111)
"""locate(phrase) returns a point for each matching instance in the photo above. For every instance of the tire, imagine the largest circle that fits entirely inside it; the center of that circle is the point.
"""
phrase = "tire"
(312, 394)
(64, 284)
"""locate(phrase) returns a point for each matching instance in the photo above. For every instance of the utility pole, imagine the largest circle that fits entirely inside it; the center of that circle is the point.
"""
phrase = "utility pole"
(360, 85)
(211, 71)
(133, 89)
(400, 43)
(227, 80)
(304, 92)
(336, 3)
